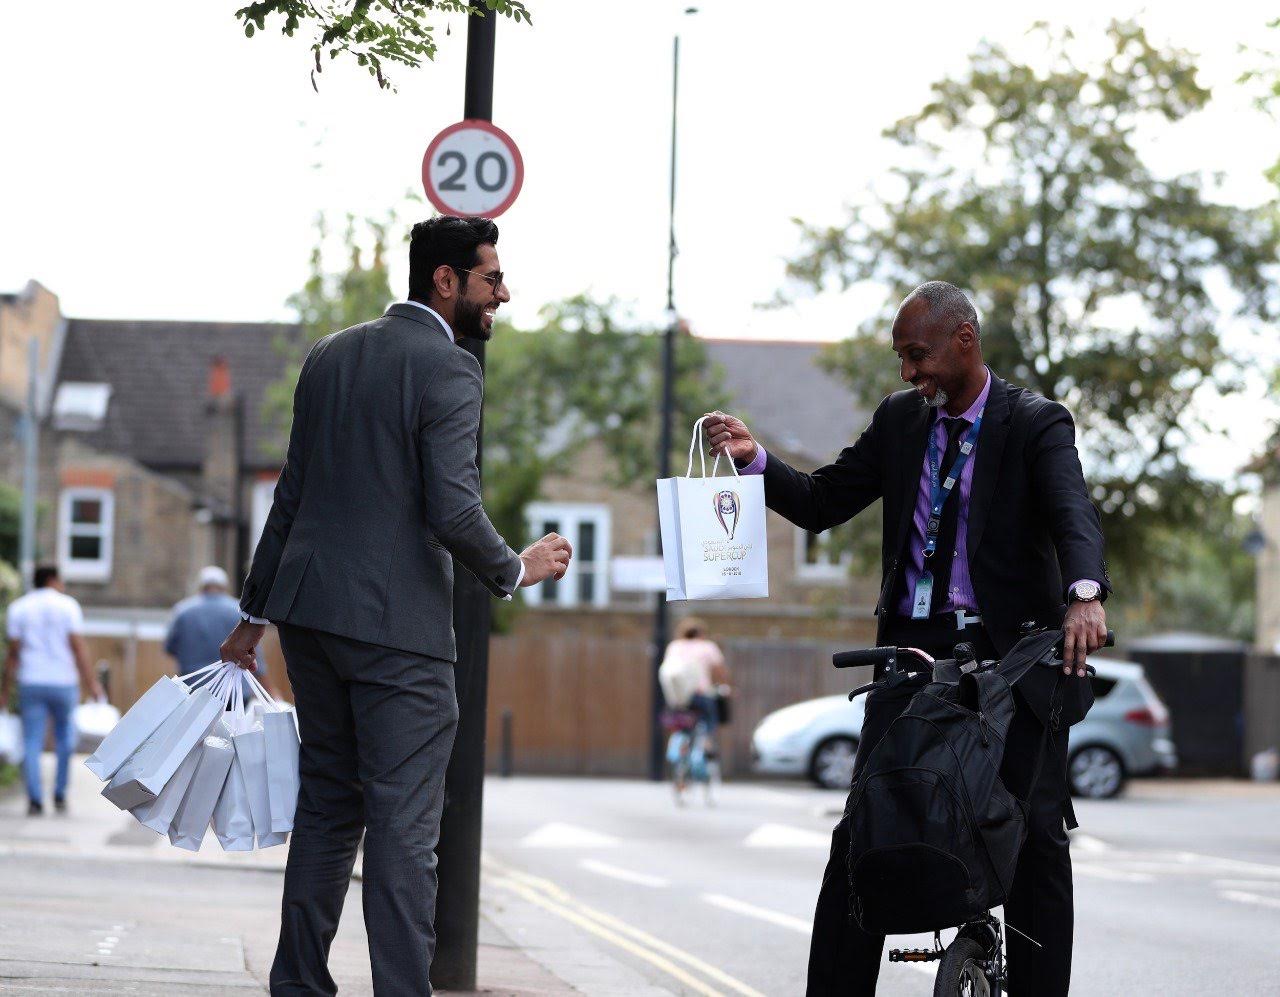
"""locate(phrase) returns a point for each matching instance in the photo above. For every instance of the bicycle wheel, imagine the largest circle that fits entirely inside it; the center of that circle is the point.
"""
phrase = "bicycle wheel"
(961, 973)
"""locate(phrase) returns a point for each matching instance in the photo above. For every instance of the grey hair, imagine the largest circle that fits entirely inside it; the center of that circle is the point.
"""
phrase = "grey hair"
(948, 305)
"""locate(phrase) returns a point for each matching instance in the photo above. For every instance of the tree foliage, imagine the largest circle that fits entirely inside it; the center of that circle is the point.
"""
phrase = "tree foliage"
(1092, 274)
(373, 32)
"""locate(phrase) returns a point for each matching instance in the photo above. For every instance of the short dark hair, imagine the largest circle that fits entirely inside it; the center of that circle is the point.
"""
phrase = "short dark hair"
(445, 241)
(947, 304)
(44, 574)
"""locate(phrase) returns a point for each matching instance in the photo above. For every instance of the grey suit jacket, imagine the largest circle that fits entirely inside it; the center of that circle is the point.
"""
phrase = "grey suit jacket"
(379, 487)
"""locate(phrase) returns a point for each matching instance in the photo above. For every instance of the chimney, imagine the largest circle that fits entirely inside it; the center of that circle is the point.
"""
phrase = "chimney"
(220, 474)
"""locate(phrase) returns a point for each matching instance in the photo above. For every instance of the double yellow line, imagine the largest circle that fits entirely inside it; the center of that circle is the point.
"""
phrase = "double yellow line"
(657, 953)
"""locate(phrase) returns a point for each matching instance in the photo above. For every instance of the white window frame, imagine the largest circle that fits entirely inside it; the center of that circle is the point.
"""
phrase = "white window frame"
(826, 571)
(570, 515)
(262, 496)
(79, 569)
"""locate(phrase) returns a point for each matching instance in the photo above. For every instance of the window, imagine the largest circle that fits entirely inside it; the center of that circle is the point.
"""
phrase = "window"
(586, 583)
(818, 560)
(86, 526)
(264, 493)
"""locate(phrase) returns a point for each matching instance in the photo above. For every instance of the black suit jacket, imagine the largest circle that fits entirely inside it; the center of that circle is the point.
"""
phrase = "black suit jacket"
(379, 487)
(1032, 528)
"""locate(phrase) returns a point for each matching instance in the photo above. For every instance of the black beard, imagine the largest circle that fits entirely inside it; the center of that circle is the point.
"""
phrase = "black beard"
(468, 322)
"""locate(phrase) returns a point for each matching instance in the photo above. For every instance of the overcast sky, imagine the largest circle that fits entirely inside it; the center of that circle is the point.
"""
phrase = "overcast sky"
(158, 164)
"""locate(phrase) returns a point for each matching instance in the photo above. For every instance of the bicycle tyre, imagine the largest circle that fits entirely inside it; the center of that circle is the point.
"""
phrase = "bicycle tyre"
(964, 957)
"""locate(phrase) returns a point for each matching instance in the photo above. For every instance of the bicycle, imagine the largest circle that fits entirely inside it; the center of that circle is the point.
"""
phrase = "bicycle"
(973, 964)
(691, 755)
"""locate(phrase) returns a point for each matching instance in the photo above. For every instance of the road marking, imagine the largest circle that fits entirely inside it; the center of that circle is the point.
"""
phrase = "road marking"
(1250, 898)
(759, 913)
(786, 836)
(1088, 843)
(547, 895)
(558, 835)
(1115, 875)
(626, 875)
(1248, 884)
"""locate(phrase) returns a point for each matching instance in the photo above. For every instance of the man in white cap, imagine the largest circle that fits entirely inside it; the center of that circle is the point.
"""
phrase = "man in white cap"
(201, 622)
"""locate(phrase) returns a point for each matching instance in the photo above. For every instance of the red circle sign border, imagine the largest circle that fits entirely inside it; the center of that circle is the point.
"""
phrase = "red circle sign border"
(484, 126)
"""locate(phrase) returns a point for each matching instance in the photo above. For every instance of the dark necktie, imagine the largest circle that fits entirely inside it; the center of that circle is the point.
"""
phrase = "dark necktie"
(940, 563)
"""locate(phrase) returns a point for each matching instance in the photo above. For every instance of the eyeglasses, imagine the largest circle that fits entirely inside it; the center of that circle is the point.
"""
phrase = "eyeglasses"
(494, 279)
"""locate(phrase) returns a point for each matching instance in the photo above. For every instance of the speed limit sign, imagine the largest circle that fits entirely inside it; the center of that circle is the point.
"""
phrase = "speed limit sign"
(472, 168)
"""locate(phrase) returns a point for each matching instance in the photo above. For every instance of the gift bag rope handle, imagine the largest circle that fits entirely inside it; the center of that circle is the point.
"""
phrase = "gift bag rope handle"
(702, 454)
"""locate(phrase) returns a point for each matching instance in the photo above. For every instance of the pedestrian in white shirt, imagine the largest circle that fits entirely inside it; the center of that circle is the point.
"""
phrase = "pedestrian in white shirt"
(49, 658)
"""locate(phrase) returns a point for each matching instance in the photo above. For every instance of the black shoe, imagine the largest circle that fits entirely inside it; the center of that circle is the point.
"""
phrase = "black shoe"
(60, 804)
(35, 809)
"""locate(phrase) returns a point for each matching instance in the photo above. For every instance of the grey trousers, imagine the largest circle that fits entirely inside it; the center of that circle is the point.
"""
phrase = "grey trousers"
(377, 729)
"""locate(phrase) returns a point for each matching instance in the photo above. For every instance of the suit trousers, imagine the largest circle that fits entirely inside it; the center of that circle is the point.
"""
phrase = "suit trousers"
(844, 960)
(377, 728)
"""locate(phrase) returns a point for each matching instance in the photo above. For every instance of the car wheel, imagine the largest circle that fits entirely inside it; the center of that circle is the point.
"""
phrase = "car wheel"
(832, 764)
(1096, 773)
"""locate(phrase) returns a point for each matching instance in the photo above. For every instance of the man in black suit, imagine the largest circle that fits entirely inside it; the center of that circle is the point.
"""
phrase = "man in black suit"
(988, 531)
(379, 488)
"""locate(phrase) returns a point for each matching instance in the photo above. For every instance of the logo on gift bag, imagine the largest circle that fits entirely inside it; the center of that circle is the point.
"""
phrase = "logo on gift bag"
(727, 505)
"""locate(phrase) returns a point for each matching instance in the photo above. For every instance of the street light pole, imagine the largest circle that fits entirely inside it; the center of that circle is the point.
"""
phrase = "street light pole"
(458, 853)
(660, 623)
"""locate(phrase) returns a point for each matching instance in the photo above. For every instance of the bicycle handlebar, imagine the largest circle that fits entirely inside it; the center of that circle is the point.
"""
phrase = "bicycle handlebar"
(888, 656)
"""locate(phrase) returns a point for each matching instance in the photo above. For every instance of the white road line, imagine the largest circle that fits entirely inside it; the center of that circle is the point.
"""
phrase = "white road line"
(560, 835)
(1114, 875)
(786, 836)
(626, 875)
(1250, 898)
(759, 913)
(1248, 884)
(1088, 843)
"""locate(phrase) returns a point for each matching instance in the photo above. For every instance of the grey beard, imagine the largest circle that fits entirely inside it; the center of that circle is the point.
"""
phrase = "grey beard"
(939, 399)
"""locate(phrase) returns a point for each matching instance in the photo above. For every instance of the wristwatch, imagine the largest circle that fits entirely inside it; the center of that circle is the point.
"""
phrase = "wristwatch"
(1086, 592)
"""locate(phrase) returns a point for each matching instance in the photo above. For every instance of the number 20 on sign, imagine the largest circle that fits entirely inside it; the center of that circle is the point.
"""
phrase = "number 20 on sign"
(472, 168)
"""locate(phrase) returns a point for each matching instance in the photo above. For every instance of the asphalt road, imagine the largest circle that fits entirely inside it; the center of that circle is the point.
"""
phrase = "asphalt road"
(1177, 887)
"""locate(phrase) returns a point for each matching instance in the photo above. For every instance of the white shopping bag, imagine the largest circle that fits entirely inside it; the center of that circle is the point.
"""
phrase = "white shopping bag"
(10, 738)
(232, 817)
(159, 813)
(714, 544)
(142, 776)
(93, 721)
(201, 797)
(143, 719)
(280, 730)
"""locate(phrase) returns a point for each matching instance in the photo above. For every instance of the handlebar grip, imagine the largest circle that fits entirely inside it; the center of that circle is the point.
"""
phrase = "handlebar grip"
(870, 656)
(1111, 639)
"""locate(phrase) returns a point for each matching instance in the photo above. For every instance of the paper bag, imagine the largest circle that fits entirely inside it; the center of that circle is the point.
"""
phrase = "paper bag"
(232, 817)
(714, 544)
(159, 813)
(198, 803)
(144, 719)
(142, 776)
(282, 767)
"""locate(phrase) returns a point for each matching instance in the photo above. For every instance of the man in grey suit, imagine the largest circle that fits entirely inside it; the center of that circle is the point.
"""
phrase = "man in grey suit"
(379, 488)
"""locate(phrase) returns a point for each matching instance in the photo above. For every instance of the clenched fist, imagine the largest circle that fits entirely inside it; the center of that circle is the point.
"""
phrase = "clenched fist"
(545, 558)
(729, 435)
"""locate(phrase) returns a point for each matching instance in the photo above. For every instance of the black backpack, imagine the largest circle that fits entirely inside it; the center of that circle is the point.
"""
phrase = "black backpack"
(934, 835)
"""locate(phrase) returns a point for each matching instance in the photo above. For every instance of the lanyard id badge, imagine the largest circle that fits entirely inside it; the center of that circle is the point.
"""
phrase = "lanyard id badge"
(939, 492)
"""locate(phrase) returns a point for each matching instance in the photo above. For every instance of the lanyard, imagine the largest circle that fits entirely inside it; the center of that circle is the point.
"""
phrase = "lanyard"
(940, 491)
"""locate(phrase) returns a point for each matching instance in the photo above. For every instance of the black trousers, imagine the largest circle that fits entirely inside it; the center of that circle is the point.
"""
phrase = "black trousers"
(844, 960)
(377, 730)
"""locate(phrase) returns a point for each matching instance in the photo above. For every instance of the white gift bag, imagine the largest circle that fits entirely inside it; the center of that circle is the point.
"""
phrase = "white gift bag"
(280, 730)
(233, 814)
(145, 772)
(11, 738)
(251, 759)
(93, 721)
(198, 803)
(714, 544)
(159, 813)
(143, 719)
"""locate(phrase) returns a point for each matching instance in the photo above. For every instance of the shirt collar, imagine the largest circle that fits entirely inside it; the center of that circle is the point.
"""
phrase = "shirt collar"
(447, 327)
(969, 415)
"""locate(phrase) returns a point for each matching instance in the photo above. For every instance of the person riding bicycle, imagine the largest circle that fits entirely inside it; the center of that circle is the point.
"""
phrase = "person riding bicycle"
(988, 531)
(692, 671)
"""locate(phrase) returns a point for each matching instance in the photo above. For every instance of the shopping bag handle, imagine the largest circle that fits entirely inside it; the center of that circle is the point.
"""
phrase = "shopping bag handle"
(702, 454)
(261, 690)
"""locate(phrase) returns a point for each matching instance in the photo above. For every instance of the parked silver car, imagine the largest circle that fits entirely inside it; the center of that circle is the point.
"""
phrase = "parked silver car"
(1126, 733)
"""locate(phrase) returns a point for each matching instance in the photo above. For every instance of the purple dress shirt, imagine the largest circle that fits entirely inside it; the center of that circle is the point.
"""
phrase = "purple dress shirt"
(960, 594)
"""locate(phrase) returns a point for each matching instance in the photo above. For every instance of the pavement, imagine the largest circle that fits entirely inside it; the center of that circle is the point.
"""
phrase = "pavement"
(606, 887)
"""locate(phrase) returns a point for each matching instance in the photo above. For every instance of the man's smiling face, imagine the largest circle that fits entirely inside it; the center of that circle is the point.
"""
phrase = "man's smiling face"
(474, 313)
(927, 357)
